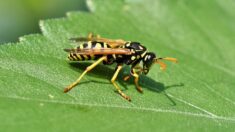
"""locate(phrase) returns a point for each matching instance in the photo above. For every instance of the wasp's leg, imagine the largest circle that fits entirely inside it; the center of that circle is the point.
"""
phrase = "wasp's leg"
(119, 67)
(98, 36)
(126, 77)
(138, 68)
(111, 42)
(91, 36)
(136, 80)
(87, 69)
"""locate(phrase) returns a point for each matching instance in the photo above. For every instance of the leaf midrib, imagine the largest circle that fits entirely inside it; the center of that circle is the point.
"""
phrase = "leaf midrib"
(200, 115)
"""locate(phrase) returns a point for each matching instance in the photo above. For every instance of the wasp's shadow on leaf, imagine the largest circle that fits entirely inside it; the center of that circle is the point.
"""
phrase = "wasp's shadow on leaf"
(104, 71)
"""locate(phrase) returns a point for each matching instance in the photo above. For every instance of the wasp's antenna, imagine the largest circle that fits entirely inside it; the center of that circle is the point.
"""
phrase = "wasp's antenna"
(163, 65)
(171, 59)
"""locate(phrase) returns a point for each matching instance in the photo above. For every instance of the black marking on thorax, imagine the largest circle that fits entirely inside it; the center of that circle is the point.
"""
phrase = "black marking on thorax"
(138, 49)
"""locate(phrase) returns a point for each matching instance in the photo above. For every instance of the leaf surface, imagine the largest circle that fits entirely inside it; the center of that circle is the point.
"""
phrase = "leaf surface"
(195, 95)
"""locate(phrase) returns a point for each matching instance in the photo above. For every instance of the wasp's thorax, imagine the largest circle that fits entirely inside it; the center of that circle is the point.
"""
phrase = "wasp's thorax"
(138, 53)
(135, 47)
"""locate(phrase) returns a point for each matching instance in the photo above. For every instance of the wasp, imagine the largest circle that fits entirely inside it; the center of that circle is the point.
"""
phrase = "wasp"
(110, 51)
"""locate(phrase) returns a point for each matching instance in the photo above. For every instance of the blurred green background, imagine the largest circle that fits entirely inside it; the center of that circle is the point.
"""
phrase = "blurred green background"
(21, 17)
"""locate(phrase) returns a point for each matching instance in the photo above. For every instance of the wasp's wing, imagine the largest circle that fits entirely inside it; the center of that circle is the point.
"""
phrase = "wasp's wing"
(113, 43)
(100, 51)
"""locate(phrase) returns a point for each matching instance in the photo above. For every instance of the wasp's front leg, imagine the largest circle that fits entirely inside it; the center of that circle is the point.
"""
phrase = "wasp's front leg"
(135, 72)
(136, 80)
(138, 69)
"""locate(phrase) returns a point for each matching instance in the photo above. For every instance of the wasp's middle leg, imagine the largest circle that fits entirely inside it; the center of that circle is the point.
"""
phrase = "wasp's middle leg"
(119, 67)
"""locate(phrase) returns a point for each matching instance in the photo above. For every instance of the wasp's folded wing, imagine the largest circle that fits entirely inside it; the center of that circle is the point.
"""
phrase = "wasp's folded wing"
(114, 43)
(100, 51)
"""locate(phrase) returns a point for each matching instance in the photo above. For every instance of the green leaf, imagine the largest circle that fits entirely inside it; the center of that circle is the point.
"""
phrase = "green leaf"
(195, 95)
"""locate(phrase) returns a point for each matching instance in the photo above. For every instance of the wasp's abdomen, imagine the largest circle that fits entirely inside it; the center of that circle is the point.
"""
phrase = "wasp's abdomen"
(87, 45)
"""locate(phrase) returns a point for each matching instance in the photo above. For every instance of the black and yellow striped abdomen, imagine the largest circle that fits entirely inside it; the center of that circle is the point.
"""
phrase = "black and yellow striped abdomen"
(87, 45)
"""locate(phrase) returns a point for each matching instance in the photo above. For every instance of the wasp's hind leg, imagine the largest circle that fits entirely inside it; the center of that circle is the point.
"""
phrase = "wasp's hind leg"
(119, 67)
(87, 69)
(90, 37)
(112, 42)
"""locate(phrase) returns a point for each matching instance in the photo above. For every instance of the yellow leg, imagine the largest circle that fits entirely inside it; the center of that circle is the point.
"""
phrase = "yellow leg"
(126, 77)
(90, 36)
(98, 36)
(135, 73)
(136, 80)
(115, 84)
(87, 69)
(137, 69)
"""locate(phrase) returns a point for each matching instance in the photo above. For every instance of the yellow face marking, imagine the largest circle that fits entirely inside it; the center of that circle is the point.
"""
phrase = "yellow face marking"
(133, 57)
(146, 57)
(98, 46)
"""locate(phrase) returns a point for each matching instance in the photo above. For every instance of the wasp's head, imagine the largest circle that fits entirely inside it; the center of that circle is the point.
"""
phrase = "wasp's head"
(148, 61)
(150, 58)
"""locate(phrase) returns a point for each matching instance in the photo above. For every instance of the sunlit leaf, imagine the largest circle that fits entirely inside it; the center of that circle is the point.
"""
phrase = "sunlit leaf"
(197, 94)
